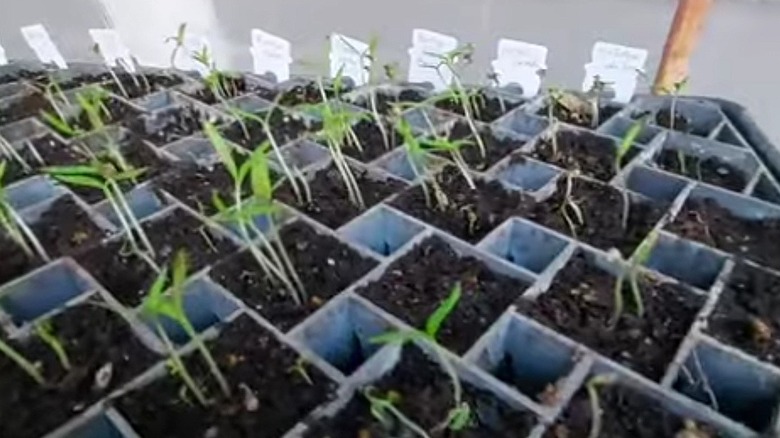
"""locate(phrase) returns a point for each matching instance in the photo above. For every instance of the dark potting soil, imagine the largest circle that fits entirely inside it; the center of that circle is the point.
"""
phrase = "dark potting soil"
(65, 227)
(423, 393)
(710, 170)
(268, 396)
(416, 284)
(171, 125)
(15, 262)
(117, 111)
(307, 94)
(707, 222)
(468, 214)
(626, 413)
(195, 186)
(543, 389)
(99, 344)
(581, 304)
(52, 151)
(496, 146)
(285, 127)
(330, 204)
(580, 118)
(681, 123)
(602, 208)
(487, 109)
(324, 265)
(179, 230)
(592, 155)
(28, 105)
(124, 275)
(234, 86)
(373, 142)
(747, 315)
(385, 101)
(150, 83)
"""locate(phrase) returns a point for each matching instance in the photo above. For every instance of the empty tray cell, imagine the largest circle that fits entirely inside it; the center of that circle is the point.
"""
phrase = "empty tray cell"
(691, 116)
(342, 334)
(522, 123)
(525, 244)
(158, 101)
(729, 134)
(385, 96)
(737, 224)
(707, 161)
(528, 358)
(654, 184)
(247, 103)
(15, 133)
(173, 123)
(300, 154)
(381, 229)
(43, 290)
(486, 105)
(32, 191)
(397, 163)
(525, 173)
(426, 120)
(193, 149)
(767, 189)
(13, 88)
(205, 305)
(686, 261)
(747, 314)
(737, 388)
(581, 304)
(620, 126)
(142, 200)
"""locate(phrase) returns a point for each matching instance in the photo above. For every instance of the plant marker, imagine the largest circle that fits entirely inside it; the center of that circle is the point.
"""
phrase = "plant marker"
(113, 49)
(39, 40)
(271, 54)
(348, 57)
(617, 66)
(427, 48)
(520, 63)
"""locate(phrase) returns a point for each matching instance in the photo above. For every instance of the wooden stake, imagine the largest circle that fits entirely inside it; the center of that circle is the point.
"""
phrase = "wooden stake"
(683, 36)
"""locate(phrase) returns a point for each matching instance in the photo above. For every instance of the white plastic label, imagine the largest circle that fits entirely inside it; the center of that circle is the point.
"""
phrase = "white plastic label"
(425, 55)
(112, 49)
(39, 40)
(349, 56)
(616, 66)
(3, 58)
(193, 45)
(520, 63)
(271, 54)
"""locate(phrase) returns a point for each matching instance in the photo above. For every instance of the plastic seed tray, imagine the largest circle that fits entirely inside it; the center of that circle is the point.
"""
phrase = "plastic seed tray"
(536, 321)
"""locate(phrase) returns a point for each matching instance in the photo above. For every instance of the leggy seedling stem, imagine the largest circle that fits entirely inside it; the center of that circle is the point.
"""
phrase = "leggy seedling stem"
(595, 406)
(382, 405)
(44, 331)
(569, 203)
(14, 225)
(28, 367)
(628, 141)
(642, 254)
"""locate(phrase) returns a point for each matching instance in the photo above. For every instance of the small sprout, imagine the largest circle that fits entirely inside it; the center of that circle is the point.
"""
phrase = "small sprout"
(569, 206)
(641, 256)
(45, 332)
(628, 140)
(383, 410)
(418, 160)
(300, 368)
(595, 406)
(178, 39)
(451, 147)
(677, 88)
(32, 370)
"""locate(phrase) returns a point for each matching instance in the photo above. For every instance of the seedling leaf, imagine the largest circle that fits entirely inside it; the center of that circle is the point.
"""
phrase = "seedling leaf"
(434, 322)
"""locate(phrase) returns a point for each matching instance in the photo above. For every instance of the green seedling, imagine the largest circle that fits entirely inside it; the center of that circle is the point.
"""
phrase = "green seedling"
(61, 124)
(178, 40)
(451, 147)
(595, 404)
(418, 160)
(219, 83)
(55, 96)
(554, 98)
(15, 227)
(383, 410)
(45, 332)
(104, 176)
(7, 150)
(114, 77)
(594, 97)
(628, 140)
(459, 417)
(641, 256)
(22, 362)
(677, 88)
(272, 257)
(159, 304)
(569, 206)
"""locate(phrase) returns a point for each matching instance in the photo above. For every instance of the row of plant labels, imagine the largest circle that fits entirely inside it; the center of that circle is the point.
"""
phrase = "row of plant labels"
(517, 62)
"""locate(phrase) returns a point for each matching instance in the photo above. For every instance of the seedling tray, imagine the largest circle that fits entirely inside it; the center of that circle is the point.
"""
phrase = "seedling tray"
(534, 324)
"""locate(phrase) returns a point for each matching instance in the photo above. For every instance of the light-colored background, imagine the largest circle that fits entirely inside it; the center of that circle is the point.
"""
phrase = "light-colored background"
(738, 56)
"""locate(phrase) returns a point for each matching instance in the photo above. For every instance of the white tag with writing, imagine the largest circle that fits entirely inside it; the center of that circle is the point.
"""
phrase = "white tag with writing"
(520, 63)
(112, 48)
(271, 54)
(617, 67)
(3, 57)
(39, 40)
(425, 58)
(350, 57)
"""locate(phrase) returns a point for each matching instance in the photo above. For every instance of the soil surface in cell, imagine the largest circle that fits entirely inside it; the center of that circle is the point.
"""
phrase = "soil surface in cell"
(483, 107)
(330, 202)
(581, 304)
(422, 391)
(588, 153)
(141, 85)
(309, 93)
(606, 222)
(580, 118)
(172, 124)
(65, 227)
(229, 87)
(271, 389)
(28, 105)
(680, 123)
(414, 286)
(103, 354)
(124, 275)
(747, 315)
(15, 262)
(457, 208)
(496, 146)
(707, 222)
(626, 413)
(372, 140)
(710, 170)
(324, 265)
(116, 111)
(284, 126)
(196, 186)
(385, 100)
(179, 230)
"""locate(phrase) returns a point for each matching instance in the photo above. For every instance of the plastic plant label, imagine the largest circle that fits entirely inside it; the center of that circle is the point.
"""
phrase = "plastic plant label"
(271, 54)
(520, 63)
(349, 57)
(425, 58)
(112, 48)
(617, 67)
(39, 40)
(3, 57)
